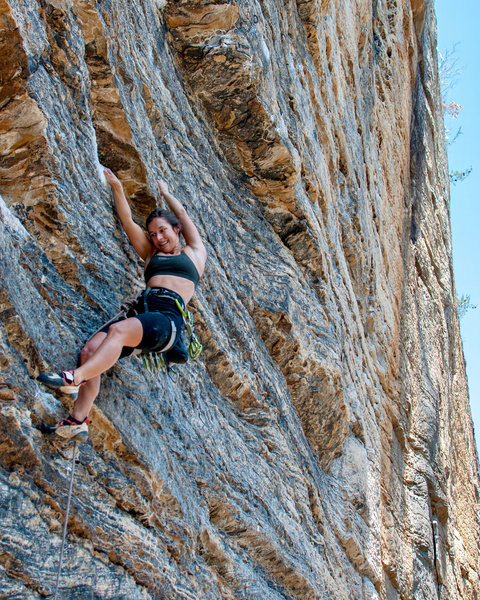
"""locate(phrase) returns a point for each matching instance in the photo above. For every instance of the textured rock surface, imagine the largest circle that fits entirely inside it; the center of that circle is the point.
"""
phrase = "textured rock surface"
(322, 446)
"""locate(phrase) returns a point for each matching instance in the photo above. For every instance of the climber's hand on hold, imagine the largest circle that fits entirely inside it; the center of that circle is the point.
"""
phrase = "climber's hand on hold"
(111, 178)
(163, 187)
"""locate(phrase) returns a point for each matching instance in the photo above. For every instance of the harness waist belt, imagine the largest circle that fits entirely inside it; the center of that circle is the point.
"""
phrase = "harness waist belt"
(164, 293)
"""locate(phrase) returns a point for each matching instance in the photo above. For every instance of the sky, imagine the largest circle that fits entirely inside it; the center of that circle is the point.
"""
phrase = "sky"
(458, 27)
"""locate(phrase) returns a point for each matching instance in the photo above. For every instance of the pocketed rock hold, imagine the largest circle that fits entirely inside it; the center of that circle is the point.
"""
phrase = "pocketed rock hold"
(322, 445)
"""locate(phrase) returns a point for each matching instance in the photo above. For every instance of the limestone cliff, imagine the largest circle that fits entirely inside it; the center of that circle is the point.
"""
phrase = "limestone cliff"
(321, 447)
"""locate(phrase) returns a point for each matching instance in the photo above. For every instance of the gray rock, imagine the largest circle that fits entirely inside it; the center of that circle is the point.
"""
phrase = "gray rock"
(322, 445)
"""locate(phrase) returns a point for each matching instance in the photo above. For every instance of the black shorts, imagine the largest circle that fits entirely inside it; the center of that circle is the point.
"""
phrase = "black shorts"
(161, 322)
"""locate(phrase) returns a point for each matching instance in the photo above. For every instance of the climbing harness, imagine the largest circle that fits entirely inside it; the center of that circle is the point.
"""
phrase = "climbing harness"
(158, 361)
(65, 525)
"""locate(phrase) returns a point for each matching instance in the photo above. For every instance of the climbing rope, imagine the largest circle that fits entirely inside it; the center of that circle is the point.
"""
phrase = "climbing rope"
(65, 525)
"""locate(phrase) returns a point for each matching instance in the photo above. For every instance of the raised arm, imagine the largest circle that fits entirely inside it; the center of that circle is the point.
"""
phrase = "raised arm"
(190, 232)
(134, 232)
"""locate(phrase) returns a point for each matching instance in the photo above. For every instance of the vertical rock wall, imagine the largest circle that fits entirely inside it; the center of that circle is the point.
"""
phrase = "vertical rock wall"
(322, 446)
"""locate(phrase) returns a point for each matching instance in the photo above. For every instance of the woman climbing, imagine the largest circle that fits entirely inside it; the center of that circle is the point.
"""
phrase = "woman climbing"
(171, 275)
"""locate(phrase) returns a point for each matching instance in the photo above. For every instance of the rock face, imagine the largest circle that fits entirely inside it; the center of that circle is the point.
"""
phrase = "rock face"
(322, 446)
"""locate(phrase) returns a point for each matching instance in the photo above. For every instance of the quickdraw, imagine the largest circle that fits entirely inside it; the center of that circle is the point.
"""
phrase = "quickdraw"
(155, 361)
(194, 346)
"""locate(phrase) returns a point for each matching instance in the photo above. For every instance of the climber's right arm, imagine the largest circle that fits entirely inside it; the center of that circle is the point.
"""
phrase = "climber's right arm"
(134, 232)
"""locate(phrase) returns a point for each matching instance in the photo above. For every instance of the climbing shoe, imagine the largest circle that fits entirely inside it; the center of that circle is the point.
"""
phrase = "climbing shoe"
(69, 429)
(63, 382)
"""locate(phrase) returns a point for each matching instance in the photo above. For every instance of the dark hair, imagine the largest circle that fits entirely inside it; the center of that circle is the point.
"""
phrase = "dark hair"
(164, 214)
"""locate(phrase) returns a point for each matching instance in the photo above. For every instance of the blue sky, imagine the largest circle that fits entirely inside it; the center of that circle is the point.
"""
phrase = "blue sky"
(458, 27)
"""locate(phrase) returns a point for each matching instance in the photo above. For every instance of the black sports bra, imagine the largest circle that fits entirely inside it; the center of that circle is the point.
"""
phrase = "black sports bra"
(179, 265)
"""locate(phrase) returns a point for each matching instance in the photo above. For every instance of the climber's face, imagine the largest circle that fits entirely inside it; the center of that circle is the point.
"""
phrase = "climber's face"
(163, 236)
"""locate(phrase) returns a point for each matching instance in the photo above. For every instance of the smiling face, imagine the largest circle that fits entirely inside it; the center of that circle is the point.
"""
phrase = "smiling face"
(163, 236)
